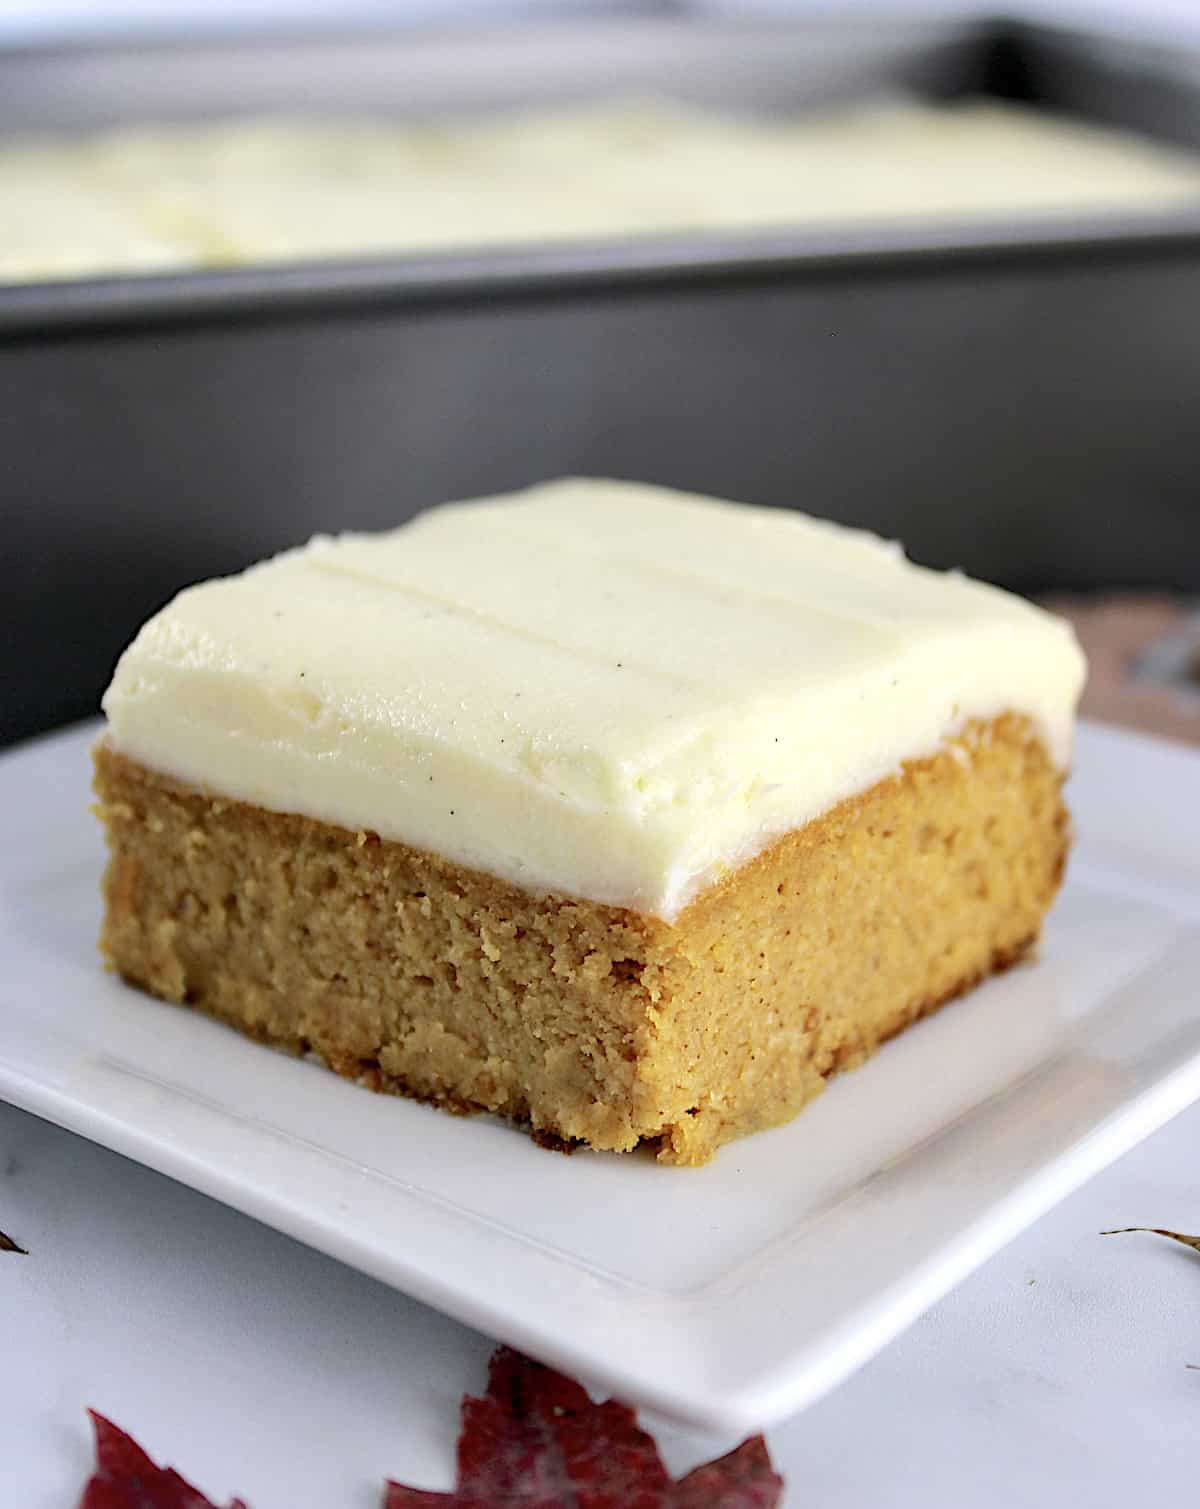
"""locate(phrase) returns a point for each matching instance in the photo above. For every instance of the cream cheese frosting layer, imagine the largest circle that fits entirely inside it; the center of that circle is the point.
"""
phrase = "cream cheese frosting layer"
(277, 189)
(600, 688)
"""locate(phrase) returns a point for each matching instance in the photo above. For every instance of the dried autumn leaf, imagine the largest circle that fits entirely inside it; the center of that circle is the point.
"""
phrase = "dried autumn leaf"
(126, 1478)
(743, 1479)
(536, 1440)
(1156, 1231)
(8, 1245)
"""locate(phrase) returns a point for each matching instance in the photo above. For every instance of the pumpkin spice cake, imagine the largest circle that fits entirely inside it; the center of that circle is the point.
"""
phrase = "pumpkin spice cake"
(629, 815)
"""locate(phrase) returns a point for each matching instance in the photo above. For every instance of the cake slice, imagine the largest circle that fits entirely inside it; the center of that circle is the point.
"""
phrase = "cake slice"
(629, 815)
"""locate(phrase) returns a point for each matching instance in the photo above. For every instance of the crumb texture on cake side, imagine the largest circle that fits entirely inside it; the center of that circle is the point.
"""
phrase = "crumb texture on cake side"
(588, 1022)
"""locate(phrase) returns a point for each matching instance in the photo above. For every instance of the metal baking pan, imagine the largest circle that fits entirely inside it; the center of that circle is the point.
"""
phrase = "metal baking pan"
(1015, 400)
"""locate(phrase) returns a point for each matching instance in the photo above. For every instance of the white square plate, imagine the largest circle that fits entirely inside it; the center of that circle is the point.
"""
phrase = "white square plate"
(728, 1296)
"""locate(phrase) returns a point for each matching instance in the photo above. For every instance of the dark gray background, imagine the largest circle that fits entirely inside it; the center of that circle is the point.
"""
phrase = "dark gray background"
(1017, 402)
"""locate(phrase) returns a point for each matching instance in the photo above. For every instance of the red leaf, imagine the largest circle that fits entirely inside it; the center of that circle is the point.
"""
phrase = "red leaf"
(743, 1479)
(126, 1478)
(536, 1440)
(538, 1435)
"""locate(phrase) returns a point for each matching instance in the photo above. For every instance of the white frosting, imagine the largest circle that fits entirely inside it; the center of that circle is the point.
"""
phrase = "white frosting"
(601, 688)
(277, 189)
(57, 223)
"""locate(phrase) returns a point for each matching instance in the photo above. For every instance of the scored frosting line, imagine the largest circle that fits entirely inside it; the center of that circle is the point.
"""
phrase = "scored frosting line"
(334, 567)
(709, 585)
(863, 561)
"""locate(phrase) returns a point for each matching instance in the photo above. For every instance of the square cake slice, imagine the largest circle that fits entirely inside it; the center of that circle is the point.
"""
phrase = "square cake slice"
(629, 815)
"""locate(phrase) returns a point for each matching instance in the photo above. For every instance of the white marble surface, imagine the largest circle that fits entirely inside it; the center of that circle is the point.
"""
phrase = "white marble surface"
(1056, 1375)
